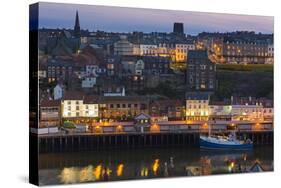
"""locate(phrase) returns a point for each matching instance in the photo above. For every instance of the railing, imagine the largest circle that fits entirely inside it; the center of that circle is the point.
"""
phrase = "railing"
(199, 130)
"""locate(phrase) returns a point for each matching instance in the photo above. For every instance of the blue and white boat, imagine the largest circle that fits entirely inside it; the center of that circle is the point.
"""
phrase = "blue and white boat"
(224, 142)
(218, 142)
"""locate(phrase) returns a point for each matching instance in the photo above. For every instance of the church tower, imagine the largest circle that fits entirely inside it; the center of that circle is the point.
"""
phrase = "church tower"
(77, 32)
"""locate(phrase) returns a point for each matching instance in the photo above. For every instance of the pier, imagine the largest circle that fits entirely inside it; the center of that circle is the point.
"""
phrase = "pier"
(161, 135)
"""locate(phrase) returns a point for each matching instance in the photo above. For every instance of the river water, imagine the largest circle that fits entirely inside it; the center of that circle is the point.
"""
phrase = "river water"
(94, 166)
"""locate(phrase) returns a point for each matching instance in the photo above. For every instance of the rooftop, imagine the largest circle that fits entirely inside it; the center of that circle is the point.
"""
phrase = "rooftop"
(195, 54)
(122, 98)
(197, 96)
(73, 95)
(50, 103)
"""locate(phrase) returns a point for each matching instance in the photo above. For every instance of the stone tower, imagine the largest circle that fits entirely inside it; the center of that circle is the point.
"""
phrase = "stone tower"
(178, 28)
(77, 32)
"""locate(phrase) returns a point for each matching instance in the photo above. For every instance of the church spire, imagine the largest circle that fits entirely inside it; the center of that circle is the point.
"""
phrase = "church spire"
(77, 26)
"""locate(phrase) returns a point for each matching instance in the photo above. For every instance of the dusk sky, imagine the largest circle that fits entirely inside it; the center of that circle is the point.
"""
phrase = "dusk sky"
(115, 19)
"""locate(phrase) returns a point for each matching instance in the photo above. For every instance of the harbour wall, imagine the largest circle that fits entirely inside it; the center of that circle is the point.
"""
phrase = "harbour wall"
(88, 142)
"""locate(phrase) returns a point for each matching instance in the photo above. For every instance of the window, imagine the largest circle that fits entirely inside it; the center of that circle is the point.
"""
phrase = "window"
(111, 106)
(135, 105)
(129, 105)
(110, 66)
(202, 67)
(123, 105)
(118, 105)
(203, 86)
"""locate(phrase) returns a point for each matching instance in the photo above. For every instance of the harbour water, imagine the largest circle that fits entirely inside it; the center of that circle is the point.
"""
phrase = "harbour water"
(128, 164)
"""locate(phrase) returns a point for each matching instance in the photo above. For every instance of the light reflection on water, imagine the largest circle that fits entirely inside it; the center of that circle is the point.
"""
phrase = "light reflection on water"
(68, 168)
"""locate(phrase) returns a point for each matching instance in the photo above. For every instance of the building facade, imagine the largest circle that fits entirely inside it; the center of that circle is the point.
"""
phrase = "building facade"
(197, 106)
(167, 110)
(59, 70)
(85, 107)
(201, 72)
(123, 47)
(270, 54)
(247, 112)
(89, 81)
(148, 49)
(50, 113)
(122, 107)
(58, 92)
(182, 49)
(242, 51)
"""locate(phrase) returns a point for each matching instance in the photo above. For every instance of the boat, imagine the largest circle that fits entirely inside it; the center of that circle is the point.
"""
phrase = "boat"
(224, 142)
(212, 142)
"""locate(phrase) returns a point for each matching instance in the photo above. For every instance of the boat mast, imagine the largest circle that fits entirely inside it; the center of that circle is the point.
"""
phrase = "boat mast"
(209, 131)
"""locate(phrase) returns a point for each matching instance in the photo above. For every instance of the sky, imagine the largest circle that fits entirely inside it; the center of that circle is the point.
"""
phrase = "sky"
(117, 19)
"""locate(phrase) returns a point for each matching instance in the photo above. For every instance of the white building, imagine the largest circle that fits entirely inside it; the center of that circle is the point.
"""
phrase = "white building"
(42, 74)
(79, 108)
(89, 76)
(270, 54)
(148, 49)
(89, 81)
(197, 107)
(181, 51)
(123, 47)
(58, 92)
(220, 112)
(136, 49)
(166, 50)
(247, 112)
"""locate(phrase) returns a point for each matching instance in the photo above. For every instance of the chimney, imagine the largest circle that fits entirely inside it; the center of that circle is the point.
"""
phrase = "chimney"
(123, 91)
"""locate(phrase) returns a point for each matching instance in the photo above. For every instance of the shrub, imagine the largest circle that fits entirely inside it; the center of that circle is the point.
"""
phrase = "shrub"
(68, 125)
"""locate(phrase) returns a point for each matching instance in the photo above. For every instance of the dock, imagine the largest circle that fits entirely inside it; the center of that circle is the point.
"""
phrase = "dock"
(162, 135)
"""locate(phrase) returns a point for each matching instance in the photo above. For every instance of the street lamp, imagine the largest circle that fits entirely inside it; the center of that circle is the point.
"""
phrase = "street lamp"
(155, 128)
(119, 128)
